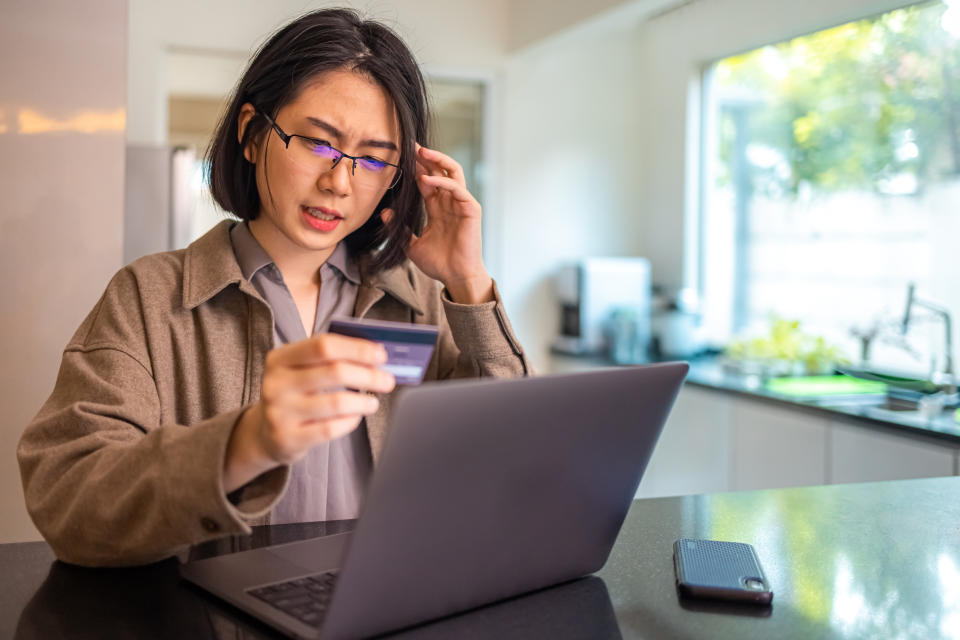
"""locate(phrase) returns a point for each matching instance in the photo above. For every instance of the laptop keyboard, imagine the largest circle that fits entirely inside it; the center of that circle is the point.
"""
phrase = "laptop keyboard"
(305, 599)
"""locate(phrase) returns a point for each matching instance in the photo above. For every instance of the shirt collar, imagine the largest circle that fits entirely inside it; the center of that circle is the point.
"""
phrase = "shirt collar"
(251, 256)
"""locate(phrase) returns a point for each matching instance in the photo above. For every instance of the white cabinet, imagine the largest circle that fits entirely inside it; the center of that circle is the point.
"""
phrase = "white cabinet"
(693, 453)
(862, 454)
(777, 447)
(720, 441)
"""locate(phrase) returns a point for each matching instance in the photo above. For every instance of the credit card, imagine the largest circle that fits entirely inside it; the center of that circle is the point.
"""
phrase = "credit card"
(409, 346)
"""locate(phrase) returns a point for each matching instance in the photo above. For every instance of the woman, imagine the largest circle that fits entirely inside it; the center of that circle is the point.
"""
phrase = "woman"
(191, 402)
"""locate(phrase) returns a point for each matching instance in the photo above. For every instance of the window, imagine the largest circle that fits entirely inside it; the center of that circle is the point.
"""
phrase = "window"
(832, 180)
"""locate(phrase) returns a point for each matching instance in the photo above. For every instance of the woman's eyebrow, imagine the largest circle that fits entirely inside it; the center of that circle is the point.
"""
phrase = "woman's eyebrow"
(332, 130)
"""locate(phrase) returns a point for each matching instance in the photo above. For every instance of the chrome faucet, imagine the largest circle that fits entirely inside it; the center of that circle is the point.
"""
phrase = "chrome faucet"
(944, 314)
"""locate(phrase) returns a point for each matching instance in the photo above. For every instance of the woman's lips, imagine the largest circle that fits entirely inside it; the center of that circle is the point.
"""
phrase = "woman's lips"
(321, 218)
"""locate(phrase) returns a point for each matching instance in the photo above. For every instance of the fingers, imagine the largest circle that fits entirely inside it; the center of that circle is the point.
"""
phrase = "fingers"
(302, 409)
(325, 348)
(439, 164)
(284, 421)
(295, 381)
(441, 180)
(455, 189)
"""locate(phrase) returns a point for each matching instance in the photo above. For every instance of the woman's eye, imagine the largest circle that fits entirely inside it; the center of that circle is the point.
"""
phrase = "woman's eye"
(372, 164)
(322, 148)
(313, 143)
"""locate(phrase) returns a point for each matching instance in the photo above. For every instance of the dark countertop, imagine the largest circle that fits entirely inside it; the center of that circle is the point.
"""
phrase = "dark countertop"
(848, 561)
(707, 373)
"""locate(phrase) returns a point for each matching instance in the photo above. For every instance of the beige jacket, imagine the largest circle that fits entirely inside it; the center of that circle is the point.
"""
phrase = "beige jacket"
(123, 464)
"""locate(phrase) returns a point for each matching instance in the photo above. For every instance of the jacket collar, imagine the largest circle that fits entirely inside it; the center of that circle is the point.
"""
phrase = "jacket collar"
(210, 265)
(394, 281)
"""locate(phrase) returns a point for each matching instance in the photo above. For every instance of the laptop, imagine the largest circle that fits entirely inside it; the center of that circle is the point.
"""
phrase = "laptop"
(485, 489)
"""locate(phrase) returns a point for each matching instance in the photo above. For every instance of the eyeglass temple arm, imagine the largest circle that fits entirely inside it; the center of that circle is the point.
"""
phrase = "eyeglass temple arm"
(273, 125)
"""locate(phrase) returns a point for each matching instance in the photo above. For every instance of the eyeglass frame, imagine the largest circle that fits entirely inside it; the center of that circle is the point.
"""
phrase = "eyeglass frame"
(286, 137)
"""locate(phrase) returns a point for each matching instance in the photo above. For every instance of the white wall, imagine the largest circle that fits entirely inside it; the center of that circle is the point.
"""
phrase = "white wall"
(570, 175)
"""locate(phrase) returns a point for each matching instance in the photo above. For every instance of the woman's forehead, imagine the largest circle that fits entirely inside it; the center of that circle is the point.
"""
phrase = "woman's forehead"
(351, 103)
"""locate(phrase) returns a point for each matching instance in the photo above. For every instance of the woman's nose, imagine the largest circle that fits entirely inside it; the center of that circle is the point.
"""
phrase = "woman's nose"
(338, 179)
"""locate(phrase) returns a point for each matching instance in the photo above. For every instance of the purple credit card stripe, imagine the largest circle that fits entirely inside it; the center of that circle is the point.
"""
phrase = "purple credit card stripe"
(411, 334)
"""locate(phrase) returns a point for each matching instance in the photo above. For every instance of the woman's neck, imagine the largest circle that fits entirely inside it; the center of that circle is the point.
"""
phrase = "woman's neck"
(299, 266)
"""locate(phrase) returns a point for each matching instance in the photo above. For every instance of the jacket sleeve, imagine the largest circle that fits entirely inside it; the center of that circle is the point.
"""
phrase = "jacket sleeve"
(478, 341)
(108, 485)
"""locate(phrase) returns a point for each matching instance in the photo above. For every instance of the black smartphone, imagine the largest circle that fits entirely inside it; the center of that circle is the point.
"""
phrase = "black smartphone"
(720, 570)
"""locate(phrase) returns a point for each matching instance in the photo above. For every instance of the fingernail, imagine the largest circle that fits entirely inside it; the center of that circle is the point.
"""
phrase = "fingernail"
(373, 404)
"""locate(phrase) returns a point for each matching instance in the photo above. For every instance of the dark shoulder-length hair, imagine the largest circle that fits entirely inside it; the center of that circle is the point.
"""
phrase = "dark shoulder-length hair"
(316, 42)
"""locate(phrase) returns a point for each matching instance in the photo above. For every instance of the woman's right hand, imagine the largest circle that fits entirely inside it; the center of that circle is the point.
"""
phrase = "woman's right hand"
(313, 391)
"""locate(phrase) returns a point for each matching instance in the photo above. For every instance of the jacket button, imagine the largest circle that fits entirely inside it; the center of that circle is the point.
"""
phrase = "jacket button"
(209, 525)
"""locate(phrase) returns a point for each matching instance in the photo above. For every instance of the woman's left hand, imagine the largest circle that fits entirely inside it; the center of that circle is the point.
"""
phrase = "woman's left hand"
(449, 249)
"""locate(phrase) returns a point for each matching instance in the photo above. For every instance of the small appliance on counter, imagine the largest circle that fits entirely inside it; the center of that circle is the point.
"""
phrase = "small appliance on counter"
(676, 325)
(604, 308)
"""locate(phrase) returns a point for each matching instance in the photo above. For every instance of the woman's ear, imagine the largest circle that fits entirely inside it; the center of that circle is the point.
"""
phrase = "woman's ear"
(247, 111)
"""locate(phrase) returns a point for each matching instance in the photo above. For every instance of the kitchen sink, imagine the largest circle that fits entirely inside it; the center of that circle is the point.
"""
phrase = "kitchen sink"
(892, 403)
(895, 381)
(882, 406)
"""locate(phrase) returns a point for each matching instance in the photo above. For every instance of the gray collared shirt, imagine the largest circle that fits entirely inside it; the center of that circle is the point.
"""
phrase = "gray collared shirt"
(329, 482)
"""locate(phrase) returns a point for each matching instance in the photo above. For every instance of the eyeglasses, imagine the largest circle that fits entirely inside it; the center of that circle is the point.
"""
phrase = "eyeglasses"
(317, 155)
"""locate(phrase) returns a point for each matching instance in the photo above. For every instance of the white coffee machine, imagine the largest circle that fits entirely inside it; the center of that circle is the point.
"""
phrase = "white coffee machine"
(594, 292)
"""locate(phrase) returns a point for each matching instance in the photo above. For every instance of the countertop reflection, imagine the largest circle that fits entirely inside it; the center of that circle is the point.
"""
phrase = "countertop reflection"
(845, 561)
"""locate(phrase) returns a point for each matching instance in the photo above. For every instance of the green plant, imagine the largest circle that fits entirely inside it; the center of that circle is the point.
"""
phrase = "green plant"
(786, 342)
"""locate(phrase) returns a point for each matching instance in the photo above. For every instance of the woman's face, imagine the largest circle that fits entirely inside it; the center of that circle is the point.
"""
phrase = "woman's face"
(309, 206)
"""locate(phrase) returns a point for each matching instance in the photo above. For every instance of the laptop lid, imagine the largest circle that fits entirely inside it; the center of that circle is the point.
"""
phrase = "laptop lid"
(487, 489)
